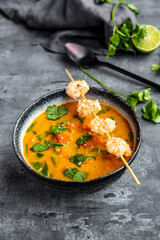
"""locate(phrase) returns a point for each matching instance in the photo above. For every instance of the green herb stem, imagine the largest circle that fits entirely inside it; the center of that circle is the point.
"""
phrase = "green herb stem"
(118, 3)
(102, 83)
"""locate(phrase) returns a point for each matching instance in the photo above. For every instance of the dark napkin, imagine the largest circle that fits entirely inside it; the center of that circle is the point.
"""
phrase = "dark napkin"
(78, 21)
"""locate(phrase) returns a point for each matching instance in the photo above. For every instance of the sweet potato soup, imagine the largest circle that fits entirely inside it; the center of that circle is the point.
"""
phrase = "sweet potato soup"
(59, 144)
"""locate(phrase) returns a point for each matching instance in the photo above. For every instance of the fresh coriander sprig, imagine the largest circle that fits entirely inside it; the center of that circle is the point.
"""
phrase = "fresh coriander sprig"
(122, 38)
(132, 98)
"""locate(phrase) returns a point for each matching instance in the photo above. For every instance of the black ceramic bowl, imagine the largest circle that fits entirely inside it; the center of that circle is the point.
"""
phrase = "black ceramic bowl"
(59, 97)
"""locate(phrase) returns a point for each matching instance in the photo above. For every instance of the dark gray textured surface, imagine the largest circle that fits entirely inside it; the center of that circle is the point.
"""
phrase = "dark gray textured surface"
(28, 210)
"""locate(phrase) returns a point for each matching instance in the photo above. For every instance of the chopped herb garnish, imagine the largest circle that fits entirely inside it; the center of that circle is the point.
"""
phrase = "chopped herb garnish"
(43, 136)
(54, 112)
(104, 152)
(44, 170)
(63, 123)
(81, 119)
(56, 149)
(46, 133)
(83, 139)
(55, 144)
(80, 176)
(39, 138)
(108, 109)
(30, 128)
(78, 159)
(53, 160)
(38, 147)
(70, 172)
(34, 132)
(101, 111)
(36, 165)
(58, 130)
(75, 175)
(130, 134)
(26, 148)
(112, 118)
(40, 155)
(94, 150)
(59, 144)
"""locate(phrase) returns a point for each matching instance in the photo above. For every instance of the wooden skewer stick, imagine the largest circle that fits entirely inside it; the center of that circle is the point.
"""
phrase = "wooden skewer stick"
(123, 159)
(130, 170)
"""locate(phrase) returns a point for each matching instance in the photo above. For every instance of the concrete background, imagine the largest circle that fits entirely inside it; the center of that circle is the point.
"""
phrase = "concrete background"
(29, 211)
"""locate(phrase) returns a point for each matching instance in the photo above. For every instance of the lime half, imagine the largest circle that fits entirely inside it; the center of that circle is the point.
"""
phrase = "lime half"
(151, 42)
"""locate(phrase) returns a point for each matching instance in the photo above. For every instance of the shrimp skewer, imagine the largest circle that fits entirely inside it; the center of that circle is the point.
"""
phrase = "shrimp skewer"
(86, 109)
(76, 88)
(126, 149)
(101, 126)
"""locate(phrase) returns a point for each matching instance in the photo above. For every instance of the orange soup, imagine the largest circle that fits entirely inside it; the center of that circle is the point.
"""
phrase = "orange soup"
(60, 145)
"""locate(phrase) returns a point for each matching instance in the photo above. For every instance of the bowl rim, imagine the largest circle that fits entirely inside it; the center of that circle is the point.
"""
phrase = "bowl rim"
(30, 169)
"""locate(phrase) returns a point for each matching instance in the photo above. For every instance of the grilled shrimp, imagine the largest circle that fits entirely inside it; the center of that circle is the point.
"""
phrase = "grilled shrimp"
(76, 88)
(101, 126)
(118, 147)
(86, 108)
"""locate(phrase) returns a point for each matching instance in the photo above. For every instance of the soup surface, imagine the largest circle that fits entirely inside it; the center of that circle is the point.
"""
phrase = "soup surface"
(65, 149)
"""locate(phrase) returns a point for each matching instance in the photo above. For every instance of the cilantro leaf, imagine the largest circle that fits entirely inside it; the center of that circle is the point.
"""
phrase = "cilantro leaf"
(70, 172)
(126, 44)
(30, 128)
(74, 174)
(63, 123)
(39, 155)
(133, 102)
(115, 39)
(111, 50)
(38, 147)
(57, 150)
(42, 136)
(132, 7)
(112, 118)
(78, 159)
(55, 144)
(128, 25)
(58, 130)
(155, 67)
(141, 34)
(53, 160)
(80, 176)
(54, 112)
(101, 111)
(63, 110)
(94, 150)
(41, 167)
(140, 96)
(81, 119)
(151, 112)
(44, 170)
(156, 119)
(36, 165)
(84, 139)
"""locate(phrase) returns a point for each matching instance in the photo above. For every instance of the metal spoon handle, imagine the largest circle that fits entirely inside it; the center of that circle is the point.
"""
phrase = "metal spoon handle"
(130, 74)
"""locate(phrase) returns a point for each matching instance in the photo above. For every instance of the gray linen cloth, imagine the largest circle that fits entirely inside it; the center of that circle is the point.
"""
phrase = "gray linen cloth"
(78, 21)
